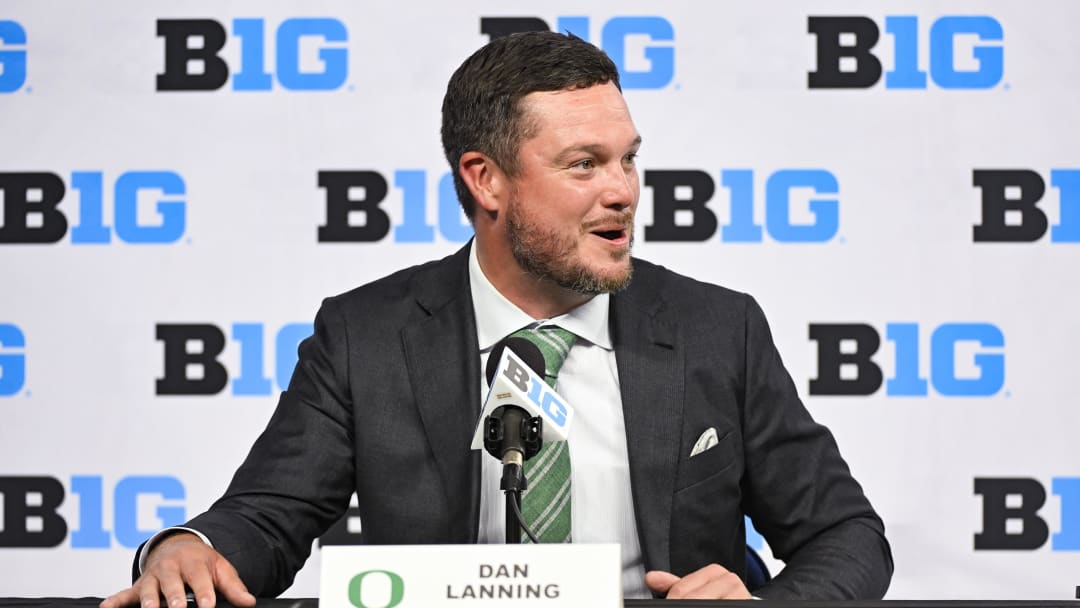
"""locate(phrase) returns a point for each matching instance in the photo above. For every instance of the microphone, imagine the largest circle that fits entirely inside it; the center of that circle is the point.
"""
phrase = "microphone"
(510, 433)
(514, 381)
(520, 413)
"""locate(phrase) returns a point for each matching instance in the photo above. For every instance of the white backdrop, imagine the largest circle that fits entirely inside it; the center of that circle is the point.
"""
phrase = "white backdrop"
(725, 89)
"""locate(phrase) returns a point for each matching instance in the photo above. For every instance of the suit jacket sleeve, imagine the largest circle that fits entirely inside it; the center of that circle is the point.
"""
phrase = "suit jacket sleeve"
(798, 490)
(298, 477)
(378, 405)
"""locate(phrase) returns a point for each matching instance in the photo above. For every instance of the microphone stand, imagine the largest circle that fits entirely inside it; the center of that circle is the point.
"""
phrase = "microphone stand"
(512, 484)
(513, 436)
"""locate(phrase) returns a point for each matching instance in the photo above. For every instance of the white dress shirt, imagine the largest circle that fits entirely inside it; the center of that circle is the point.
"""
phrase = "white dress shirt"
(601, 506)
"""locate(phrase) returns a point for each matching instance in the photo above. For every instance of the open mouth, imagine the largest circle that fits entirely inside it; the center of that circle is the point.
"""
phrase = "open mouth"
(614, 229)
(611, 235)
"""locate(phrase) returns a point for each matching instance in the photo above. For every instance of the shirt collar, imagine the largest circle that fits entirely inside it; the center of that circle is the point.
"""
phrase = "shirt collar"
(497, 317)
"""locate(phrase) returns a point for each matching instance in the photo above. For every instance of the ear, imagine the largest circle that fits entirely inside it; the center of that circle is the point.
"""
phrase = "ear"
(485, 180)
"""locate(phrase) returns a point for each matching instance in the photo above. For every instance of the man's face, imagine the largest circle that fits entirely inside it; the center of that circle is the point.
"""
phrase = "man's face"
(571, 210)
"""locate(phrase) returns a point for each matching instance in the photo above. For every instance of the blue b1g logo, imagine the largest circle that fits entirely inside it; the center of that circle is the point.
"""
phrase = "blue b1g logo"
(845, 58)
(12, 359)
(12, 56)
(653, 67)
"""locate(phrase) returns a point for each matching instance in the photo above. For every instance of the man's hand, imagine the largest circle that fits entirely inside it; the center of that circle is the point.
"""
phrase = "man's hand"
(178, 560)
(713, 582)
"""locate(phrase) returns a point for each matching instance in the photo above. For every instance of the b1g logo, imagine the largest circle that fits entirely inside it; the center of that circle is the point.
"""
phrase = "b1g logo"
(648, 66)
(355, 212)
(1010, 514)
(680, 212)
(192, 366)
(538, 392)
(31, 518)
(193, 55)
(845, 58)
(32, 212)
(1010, 211)
(12, 56)
(12, 359)
(845, 367)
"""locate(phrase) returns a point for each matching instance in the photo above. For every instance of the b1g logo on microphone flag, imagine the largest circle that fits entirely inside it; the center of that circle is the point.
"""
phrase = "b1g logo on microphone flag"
(515, 383)
(847, 59)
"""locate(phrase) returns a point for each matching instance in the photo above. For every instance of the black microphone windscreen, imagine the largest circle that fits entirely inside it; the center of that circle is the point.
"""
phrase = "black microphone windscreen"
(523, 348)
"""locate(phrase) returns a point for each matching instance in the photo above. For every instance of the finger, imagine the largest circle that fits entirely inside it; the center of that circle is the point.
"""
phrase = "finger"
(172, 586)
(123, 598)
(148, 591)
(711, 582)
(727, 587)
(201, 582)
(693, 581)
(230, 585)
(660, 581)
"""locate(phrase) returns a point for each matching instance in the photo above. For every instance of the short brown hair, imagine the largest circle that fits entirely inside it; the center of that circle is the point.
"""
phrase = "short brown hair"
(482, 110)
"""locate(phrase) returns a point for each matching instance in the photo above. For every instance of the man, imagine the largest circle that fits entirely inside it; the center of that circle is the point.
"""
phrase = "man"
(386, 392)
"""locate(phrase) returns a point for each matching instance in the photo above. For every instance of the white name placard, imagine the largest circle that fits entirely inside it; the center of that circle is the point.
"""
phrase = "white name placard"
(462, 576)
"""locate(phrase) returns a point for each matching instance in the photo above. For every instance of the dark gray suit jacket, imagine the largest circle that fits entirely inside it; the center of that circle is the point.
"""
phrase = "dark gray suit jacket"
(384, 401)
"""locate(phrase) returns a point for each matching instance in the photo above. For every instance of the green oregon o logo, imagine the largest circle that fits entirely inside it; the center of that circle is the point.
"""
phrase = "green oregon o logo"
(397, 589)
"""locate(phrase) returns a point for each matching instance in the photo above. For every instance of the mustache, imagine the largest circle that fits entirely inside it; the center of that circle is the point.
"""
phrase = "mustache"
(622, 218)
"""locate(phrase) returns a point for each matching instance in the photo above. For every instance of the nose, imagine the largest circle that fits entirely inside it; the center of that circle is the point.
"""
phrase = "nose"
(620, 187)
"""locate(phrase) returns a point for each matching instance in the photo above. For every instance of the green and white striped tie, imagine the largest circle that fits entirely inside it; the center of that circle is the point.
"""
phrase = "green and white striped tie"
(546, 503)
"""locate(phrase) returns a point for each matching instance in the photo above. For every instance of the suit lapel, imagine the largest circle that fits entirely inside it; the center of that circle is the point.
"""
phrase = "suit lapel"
(650, 377)
(443, 362)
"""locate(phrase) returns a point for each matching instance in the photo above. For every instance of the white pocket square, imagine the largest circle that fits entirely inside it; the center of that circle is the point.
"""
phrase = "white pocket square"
(707, 441)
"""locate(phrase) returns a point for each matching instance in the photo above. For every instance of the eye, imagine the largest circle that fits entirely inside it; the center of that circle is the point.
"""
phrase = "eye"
(630, 158)
(586, 164)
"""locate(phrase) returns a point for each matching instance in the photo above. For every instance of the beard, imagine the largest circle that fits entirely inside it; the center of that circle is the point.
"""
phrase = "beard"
(549, 255)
